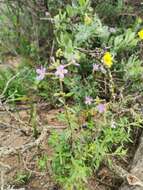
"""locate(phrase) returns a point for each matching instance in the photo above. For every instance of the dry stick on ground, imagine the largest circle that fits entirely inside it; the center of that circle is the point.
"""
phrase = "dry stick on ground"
(3, 168)
(24, 106)
(24, 125)
(25, 131)
(2, 179)
(5, 151)
(106, 184)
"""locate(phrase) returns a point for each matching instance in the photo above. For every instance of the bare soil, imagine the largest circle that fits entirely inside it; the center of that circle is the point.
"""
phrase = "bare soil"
(16, 131)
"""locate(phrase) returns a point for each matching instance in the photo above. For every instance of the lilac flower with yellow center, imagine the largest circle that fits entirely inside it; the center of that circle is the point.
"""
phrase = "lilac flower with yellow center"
(41, 72)
(101, 108)
(61, 71)
(88, 100)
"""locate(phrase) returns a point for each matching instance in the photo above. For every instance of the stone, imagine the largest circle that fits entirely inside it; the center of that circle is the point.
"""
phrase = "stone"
(136, 168)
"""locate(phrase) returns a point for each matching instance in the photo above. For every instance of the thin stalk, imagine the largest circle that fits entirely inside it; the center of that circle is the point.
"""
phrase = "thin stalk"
(66, 112)
(112, 86)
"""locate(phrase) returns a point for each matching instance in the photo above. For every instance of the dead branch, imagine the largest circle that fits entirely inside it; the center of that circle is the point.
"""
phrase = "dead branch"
(5, 166)
(5, 151)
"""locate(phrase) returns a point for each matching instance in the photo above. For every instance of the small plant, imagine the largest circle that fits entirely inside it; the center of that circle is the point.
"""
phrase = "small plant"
(42, 163)
(96, 133)
(11, 82)
(80, 149)
(22, 177)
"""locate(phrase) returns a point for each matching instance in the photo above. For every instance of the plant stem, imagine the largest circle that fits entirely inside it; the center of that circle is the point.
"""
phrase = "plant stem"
(112, 86)
(66, 112)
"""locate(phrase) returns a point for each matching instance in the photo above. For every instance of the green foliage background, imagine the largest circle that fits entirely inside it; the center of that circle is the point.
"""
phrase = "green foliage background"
(34, 30)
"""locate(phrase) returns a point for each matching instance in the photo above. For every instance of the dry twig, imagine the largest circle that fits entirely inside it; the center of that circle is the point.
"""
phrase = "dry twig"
(5, 151)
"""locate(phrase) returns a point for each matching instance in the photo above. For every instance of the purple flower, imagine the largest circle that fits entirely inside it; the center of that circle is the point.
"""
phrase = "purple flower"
(61, 71)
(95, 67)
(41, 72)
(88, 100)
(101, 108)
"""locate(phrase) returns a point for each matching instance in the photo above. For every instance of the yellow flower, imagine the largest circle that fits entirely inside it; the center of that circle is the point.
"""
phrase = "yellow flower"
(107, 59)
(140, 33)
(87, 20)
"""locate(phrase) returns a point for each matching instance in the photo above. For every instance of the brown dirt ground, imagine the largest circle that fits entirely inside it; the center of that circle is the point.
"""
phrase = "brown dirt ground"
(11, 135)
(12, 126)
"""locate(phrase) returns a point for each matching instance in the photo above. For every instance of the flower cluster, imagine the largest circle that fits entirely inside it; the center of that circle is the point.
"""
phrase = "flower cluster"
(100, 107)
(61, 70)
